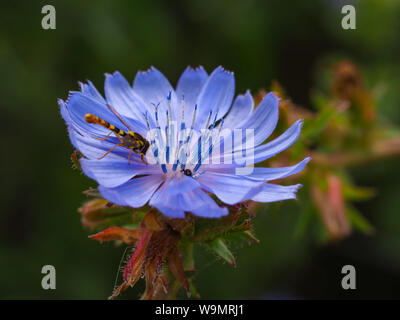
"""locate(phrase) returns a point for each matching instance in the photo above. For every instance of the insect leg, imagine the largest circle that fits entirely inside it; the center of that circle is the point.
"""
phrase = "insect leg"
(129, 157)
(142, 157)
(119, 138)
(119, 144)
(102, 139)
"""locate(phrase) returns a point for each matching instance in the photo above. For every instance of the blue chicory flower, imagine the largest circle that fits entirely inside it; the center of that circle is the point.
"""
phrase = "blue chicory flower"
(185, 127)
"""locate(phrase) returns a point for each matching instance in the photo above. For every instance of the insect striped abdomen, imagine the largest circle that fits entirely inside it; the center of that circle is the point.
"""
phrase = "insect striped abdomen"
(91, 118)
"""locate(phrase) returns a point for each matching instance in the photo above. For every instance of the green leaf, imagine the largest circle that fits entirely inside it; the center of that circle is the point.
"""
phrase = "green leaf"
(186, 251)
(313, 127)
(219, 247)
(241, 237)
(193, 291)
(358, 221)
(355, 193)
(208, 229)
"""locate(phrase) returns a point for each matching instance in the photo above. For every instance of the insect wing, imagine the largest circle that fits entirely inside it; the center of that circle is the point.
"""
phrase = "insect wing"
(118, 116)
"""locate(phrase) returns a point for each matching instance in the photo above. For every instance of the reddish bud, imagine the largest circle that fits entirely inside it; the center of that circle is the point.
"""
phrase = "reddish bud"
(117, 233)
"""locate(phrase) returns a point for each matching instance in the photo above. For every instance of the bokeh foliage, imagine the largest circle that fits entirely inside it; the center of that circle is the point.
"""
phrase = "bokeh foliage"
(261, 41)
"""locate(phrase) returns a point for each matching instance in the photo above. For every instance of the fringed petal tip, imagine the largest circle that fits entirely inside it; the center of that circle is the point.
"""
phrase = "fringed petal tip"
(195, 69)
(221, 68)
(147, 71)
(60, 102)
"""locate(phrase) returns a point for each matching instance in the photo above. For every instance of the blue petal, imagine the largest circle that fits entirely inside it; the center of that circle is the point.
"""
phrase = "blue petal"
(134, 193)
(94, 149)
(219, 167)
(90, 90)
(202, 205)
(113, 172)
(181, 184)
(172, 212)
(189, 85)
(195, 201)
(268, 174)
(275, 192)
(264, 118)
(153, 87)
(167, 204)
(121, 96)
(240, 111)
(263, 121)
(216, 96)
(268, 150)
(259, 173)
(230, 189)
(78, 105)
(64, 112)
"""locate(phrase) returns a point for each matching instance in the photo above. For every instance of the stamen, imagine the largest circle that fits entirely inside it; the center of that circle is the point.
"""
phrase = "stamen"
(186, 144)
(164, 168)
(215, 119)
(169, 106)
(208, 119)
(211, 147)
(167, 133)
(181, 133)
(152, 139)
(208, 131)
(160, 138)
(199, 148)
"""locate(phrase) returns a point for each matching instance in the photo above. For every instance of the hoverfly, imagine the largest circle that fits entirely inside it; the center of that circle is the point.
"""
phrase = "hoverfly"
(131, 140)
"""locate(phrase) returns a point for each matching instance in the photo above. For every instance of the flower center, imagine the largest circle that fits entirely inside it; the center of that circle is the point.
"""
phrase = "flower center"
(179, 148)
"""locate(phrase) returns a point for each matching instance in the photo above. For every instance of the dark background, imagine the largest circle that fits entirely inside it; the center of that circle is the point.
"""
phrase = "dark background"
(290, 41)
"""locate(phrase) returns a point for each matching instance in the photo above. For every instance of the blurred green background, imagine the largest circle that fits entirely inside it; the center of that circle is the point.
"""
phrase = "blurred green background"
(290, 41)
